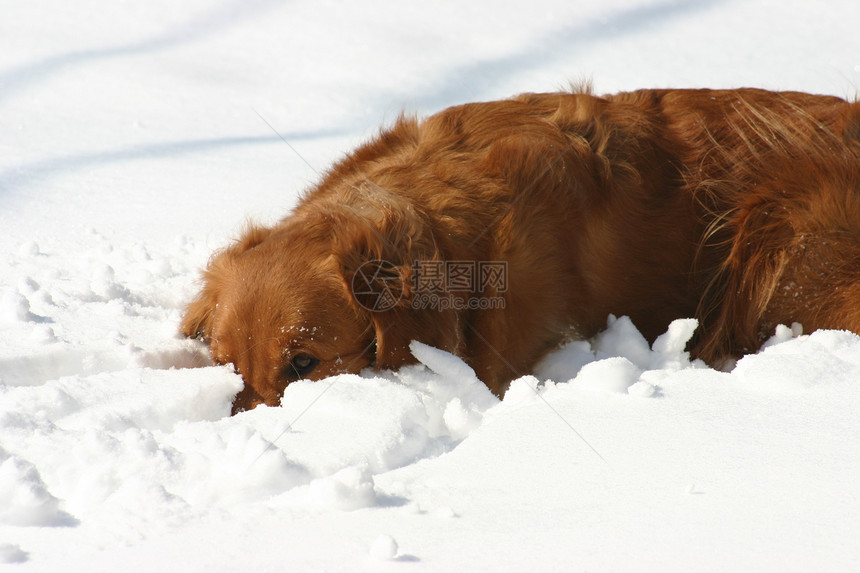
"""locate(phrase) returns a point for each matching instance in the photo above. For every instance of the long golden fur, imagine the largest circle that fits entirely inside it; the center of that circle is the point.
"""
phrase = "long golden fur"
(738, 207)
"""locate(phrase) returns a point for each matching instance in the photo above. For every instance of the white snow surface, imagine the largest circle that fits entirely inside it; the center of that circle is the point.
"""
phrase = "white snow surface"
(137, 137)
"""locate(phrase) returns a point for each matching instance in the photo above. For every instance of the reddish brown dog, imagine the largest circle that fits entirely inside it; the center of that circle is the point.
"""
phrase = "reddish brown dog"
(740, 208)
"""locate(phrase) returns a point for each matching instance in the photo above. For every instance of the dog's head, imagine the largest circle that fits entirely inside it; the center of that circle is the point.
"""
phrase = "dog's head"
(324, 292)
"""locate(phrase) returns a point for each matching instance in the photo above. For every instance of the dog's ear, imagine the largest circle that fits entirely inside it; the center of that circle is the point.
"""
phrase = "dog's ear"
(198, 318)
(396, 328)
(380, 246)
(399, 315)
(200, 314)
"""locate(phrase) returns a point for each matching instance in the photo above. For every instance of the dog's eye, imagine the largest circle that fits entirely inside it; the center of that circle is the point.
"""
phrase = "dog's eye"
(300, 366)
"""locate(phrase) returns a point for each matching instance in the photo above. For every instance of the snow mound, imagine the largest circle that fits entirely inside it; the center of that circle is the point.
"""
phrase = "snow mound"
(615, 374)
(785, 364)
(619, 359)
(24, 498)
(14, 307)
(384, 548)
(347, 490)
(10, 553)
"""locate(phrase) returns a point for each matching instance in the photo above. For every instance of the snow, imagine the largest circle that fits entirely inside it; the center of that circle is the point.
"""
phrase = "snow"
(384, 548)
(136, 138)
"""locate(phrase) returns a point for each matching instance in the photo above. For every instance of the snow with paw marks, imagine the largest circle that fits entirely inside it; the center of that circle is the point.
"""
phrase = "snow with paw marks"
(132, 146)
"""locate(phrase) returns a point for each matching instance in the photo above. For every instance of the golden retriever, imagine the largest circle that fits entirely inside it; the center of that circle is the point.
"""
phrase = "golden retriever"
(498, 230)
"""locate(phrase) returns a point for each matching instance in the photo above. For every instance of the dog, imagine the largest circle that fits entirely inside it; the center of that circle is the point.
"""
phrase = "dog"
(497, 231)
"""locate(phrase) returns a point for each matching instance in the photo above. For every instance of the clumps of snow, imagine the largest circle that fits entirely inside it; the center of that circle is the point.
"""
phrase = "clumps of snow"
(347, 490)
(668, 350)
(619, 359)
(642, 389)
(28, 249)
(43, 334)
(784, 366)
(384, 548)
(246, 465)
(123, 435)
(104, 285)
(622, 338)
(184, 354)
(445, 512)
(783, 333)
(454, 396)
(24, 498)
(564, 363)
(28, 286)
(523, 390)
(610, 375)
(443, 363)
(14, 307)
(11, 553)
